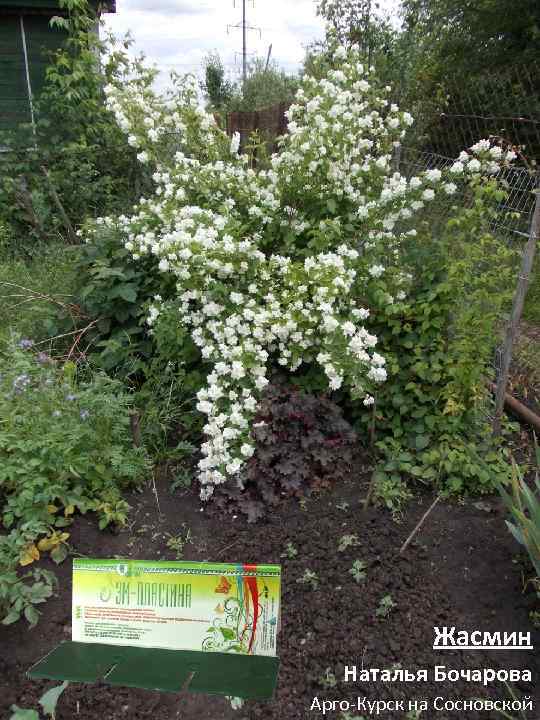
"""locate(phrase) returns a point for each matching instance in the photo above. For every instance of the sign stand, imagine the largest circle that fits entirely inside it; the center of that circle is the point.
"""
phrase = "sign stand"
(115, 599)
(246, 676)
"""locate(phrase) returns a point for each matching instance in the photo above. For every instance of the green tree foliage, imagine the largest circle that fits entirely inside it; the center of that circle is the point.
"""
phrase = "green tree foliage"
(455, 36)
(217, 89)
(363, 23)
(266, 85)
(474, 59)
(74, 162)
(453, 56)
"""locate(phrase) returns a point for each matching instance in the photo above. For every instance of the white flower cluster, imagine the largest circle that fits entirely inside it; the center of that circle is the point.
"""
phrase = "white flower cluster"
(306, 316)
(484, 157)
(274, 266)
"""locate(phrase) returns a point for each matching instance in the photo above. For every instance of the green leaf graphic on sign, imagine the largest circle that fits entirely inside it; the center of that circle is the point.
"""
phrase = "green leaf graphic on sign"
(227, 633)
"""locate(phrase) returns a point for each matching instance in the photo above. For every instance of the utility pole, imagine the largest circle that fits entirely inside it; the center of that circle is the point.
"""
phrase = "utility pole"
(244, 43)
(268, 58)
(245, 28)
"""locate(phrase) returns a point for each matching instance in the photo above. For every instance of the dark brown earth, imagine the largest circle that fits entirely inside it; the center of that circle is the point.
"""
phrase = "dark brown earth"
(461, 570)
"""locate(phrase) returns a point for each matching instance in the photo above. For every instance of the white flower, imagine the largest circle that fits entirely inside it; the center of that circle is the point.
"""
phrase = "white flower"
(237, 370)
(234, 466)
(235, 143)
(247, 450)
(376, 271)
(348, 328)
(434, 175)
(377, 374)
(408, 118)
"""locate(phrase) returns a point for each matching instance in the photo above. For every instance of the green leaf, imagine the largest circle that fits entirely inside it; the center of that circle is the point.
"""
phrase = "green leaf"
(59, 553)
(127, 293)
(421, 441)
(20, 714)
(11, 617)
(31, 614)
(49, 700)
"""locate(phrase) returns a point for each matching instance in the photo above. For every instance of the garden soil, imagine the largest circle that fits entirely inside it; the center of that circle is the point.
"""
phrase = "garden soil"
(462, 570)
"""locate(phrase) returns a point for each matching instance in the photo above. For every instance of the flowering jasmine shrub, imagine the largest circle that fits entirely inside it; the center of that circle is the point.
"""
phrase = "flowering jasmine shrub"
(286, 265)
(65, 447)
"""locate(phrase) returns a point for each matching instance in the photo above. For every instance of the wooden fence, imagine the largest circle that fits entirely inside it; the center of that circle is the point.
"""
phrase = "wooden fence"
(269, 123)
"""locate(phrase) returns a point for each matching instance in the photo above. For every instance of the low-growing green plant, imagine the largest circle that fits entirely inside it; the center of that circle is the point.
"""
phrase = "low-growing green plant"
(48, 702)
(385, 607)
(347, 541)
(113, 292)
(391, 490)
(523, 502)
(65, 447)
(290, 551)
(178, 542)
(309, 578)
(34, 288)
(183, 479)
(358, 571)
(328, 680)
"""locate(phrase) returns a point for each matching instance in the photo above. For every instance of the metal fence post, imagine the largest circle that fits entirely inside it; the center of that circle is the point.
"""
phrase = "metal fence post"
(517, 310)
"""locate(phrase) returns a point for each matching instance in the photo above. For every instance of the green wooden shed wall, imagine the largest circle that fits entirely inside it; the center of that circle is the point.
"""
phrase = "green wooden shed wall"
(26, 22)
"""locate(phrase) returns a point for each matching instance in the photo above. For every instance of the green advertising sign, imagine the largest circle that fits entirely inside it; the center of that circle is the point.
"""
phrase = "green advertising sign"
(177, 605)
(172, 626)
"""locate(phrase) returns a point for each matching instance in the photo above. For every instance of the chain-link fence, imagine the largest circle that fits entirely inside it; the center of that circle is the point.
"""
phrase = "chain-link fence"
(514, 215)
(504, 104)
(512, 223)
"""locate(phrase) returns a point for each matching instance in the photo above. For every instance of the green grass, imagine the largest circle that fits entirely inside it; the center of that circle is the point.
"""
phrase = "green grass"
(32, 288)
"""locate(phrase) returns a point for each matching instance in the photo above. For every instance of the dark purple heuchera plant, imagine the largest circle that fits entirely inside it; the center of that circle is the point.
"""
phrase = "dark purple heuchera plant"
(303, 443)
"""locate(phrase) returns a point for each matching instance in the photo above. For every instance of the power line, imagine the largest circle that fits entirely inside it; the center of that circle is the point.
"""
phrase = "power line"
(245, 28)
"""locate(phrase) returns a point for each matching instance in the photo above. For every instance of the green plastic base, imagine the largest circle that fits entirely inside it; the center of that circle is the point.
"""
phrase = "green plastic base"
(245, 676)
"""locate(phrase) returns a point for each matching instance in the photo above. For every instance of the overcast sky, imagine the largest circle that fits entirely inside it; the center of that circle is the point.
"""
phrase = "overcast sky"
(177, 34)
